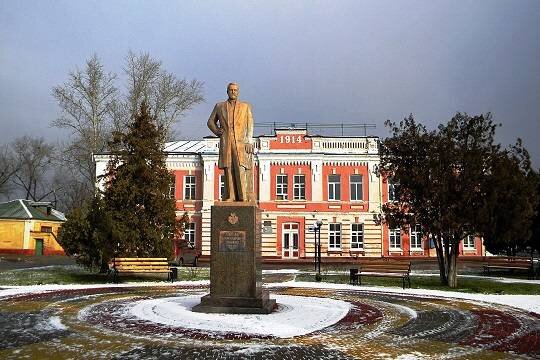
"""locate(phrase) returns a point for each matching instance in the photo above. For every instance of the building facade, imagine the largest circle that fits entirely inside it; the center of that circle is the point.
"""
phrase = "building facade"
(29, 228)
(300, 179)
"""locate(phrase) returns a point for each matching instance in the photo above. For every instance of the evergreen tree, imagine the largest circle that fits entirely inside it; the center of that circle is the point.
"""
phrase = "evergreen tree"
(534, 241)
(136, 194)
(87, 235)
(511, 201)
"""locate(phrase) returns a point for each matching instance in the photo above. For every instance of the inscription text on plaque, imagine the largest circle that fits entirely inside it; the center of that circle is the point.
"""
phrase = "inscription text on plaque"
(232, 241)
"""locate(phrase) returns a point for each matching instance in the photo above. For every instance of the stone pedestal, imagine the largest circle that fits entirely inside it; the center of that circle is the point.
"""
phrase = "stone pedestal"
(235, 262)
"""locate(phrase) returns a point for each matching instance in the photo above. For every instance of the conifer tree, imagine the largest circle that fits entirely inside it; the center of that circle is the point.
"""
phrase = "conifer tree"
(88, 236)
(511, 201)
(136, 194)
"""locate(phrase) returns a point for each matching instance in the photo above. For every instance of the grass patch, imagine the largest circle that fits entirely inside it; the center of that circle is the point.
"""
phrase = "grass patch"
(193, 273)
(61, 275)
(465, 284)
(73, 274)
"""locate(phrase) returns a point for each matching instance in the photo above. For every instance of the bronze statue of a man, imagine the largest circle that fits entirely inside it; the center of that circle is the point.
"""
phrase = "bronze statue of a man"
(232, 122)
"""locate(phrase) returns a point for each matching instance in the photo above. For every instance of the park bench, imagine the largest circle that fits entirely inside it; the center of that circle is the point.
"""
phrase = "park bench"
(141, 265)
(510, 263)
(382, 268)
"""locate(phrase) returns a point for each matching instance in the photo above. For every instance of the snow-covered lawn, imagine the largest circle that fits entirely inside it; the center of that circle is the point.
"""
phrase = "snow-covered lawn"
(525, 302)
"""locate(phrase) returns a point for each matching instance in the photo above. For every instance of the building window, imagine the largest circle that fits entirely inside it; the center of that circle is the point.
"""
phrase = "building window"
(357, 236)
(416, 237)
(469, 243)
(189, 234)
(281, 187)
(393, 190)
(334, 187)
(299, 187)
(189, 187)
(221, 186)
(395, 238)
(334, 237)
(46, 229)
(172, 189)
(356, 187)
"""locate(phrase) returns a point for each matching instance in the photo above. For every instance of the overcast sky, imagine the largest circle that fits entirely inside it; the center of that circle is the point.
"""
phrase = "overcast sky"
(295, 61)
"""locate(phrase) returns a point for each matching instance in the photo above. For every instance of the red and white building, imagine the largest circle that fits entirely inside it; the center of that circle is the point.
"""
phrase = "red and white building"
(299, 179)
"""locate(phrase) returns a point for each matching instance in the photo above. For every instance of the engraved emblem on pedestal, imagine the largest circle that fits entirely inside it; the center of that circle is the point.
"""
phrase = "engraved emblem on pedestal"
(233, 218)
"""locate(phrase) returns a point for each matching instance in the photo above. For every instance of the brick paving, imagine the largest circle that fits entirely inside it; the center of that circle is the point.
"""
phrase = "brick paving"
(92, 323)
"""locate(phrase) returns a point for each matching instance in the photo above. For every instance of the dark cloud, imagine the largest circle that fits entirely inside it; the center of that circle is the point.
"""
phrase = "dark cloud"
(302, 61)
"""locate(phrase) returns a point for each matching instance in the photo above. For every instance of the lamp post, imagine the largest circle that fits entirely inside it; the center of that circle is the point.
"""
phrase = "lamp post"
(317, 226)
(315, 252)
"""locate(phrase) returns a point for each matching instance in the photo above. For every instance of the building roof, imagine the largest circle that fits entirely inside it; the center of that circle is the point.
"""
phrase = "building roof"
(192, 146)
(27, 209)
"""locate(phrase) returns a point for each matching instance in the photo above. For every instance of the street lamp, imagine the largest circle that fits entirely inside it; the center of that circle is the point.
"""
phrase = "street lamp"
(317, 229)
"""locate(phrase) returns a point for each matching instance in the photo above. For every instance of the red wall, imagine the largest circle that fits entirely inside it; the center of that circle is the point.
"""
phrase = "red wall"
(295, 141)
(290, 171)
(179, 190)
(301, 234)
(346, 172)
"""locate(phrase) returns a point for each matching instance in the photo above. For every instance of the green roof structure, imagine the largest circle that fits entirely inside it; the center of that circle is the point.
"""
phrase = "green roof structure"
(30, 210)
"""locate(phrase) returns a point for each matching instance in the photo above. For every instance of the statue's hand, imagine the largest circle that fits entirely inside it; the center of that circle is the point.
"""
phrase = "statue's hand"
(248, 148)
(219, 131)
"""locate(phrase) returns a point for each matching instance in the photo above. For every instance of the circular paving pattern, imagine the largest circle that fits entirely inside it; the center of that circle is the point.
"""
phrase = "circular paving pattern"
(154, 323)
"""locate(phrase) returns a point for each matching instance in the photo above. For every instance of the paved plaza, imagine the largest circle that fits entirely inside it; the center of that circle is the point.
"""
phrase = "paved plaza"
(101, 322)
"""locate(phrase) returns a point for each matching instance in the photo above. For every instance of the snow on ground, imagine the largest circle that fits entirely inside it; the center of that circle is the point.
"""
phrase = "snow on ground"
(296, 315)
(8, 291)
(429, 274)
(483, 277)
(281, 271)
(525, 302)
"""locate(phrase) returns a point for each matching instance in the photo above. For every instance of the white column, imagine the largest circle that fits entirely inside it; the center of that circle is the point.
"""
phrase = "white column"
(316, 180)
(101, 168)
(264, 180)
(208, 164)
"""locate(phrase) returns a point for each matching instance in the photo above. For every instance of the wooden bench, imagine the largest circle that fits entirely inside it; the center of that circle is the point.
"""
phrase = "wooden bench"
(382, 268)
(509, 263)
(141, 265)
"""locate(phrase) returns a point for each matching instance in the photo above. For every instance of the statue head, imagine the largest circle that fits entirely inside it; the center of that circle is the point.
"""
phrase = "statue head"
(233, 91)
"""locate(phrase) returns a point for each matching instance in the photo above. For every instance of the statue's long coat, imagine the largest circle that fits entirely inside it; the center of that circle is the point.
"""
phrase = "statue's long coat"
(236, 134)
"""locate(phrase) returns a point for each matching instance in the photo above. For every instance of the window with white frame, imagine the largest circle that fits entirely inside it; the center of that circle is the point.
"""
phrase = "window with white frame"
(334, 187)
(334, 236)
(189, 187)
(357, 236)
(393, 190)
(221, 186)
(172, 188)
(469, 243)
(416, 237)
(356, 187)
(299, 187)
(395, 238)
(282, 191)
(189, 234)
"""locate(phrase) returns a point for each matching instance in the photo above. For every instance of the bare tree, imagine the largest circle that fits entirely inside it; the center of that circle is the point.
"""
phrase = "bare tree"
(88, 101)
(70, 190)
(8, 168)
(92, 107)
(168, 96)
(33, 158)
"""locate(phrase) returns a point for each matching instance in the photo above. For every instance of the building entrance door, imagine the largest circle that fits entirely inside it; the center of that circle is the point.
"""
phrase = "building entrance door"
(39, 247)
(290, 241)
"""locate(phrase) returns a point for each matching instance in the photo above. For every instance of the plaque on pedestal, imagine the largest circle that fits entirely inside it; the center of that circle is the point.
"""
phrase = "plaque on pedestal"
(235, 262)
